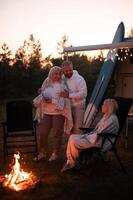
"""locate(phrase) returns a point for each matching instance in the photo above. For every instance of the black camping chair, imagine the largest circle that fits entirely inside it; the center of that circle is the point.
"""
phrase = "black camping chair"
(19, 130)
(124, 107)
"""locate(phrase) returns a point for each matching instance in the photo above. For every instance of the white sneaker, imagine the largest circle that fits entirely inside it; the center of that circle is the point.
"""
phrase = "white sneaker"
(40, 156)
(53, 157)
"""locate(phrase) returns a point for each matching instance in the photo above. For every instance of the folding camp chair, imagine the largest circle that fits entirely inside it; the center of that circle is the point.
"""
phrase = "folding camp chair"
(122, 113)
(19, 129)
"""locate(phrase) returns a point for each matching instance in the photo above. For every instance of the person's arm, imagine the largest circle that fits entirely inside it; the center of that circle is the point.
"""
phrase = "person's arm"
(64, 94)
(107, 125)
(81, 90)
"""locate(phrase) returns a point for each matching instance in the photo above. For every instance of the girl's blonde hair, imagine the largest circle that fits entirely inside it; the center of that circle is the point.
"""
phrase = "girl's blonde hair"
(52, 71)
(48, 80)
(112, 105)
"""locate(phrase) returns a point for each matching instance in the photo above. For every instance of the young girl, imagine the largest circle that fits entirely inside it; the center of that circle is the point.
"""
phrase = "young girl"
(109, 123)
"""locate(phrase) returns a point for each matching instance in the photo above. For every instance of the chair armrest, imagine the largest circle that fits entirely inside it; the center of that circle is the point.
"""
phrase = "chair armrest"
(107, 135)
(85, 130)
(4, 124)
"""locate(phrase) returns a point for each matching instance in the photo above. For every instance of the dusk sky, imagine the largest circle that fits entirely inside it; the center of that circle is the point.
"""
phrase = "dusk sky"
(85, 22)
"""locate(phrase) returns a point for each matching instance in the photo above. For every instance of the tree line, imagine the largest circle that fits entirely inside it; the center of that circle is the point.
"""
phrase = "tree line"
(22, 74)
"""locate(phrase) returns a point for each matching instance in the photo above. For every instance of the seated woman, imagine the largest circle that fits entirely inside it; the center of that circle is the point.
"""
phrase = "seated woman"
(109, 123)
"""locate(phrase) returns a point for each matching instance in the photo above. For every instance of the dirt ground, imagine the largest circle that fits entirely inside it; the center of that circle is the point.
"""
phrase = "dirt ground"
(97, 180)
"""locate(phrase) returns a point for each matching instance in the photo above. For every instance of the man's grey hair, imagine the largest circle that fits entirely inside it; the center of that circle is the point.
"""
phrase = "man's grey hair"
(66, 63)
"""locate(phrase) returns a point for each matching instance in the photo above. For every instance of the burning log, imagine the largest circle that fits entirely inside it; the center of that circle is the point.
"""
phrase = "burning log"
(18, 179)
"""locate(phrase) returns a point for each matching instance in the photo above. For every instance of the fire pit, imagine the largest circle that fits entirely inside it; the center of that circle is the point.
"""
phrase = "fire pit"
(18, 179)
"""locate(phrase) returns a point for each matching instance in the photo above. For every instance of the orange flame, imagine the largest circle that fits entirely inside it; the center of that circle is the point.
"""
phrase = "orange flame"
(18, 179)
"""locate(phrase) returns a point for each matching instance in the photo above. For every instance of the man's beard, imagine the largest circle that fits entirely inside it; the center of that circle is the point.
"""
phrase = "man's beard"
(69, 75)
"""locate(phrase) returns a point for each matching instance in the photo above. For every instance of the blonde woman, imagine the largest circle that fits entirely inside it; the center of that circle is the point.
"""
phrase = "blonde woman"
(109, 123)
(55, 110)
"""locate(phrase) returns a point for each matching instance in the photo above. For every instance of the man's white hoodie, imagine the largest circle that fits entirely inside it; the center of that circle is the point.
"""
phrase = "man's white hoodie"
(77, 89)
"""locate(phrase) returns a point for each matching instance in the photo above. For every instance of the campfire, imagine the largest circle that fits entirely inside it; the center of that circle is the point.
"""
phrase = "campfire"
(18, 179)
